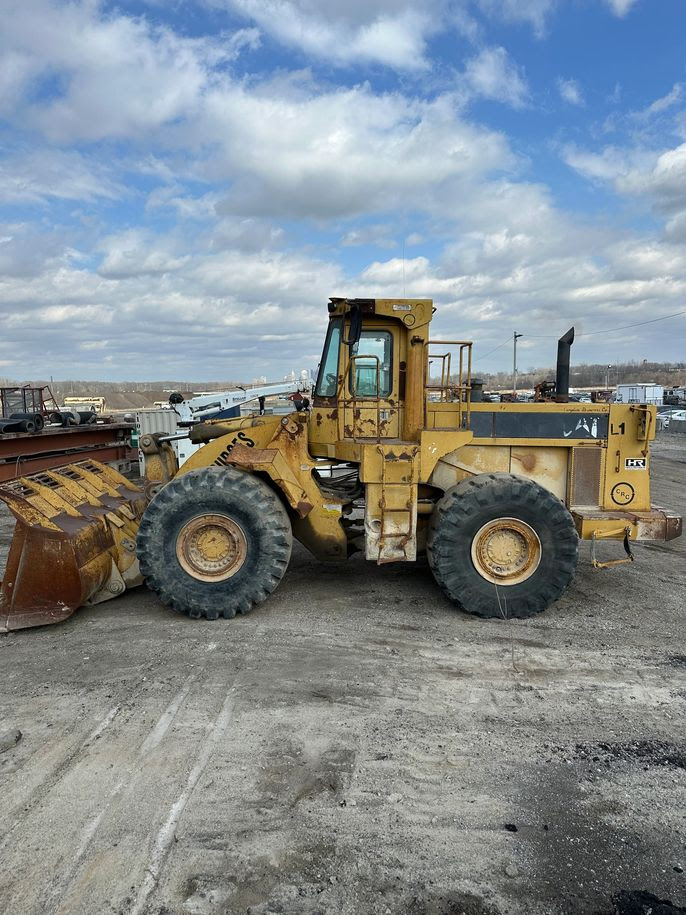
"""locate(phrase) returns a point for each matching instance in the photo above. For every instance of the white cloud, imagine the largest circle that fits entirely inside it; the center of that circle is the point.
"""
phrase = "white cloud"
(25, 251)
(493, 75)
(235, 313)
(288, 146)
(667, 178)
(193, 274)
(534, 12)
(49, 315)
(570, 91)
(664, 117)
(393, 271)
(621, 7)
(345, 152)
(510, 284)
(136, 253)
(641, 259)
(393, 33)
(673, 97)
(36, 175)
(661, 176)
(609, 165)
(389, 32)
(204, 319)
(660, 179)
(244, 235)
(377, 235)
(96, 77)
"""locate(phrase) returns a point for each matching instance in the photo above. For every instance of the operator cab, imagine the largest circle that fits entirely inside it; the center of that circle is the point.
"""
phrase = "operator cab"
(371, 362)
(361, 390)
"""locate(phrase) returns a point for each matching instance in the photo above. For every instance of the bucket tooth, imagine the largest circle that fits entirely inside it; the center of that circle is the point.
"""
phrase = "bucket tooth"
(72, 542)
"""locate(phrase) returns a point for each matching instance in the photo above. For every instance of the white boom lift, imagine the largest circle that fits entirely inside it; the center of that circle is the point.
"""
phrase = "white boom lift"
(220, 405)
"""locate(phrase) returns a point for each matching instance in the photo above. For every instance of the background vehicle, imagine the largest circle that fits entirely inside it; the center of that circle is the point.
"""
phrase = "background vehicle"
(666, 414)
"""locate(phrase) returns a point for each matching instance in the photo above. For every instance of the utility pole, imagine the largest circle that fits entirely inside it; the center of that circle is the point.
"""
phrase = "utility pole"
(515, 337)
(607, 376)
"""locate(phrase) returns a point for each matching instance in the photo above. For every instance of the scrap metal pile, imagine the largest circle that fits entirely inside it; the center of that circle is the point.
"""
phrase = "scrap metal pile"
(28, 409)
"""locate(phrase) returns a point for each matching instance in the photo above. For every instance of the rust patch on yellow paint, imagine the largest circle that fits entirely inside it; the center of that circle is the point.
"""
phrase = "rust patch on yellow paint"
(527, 460)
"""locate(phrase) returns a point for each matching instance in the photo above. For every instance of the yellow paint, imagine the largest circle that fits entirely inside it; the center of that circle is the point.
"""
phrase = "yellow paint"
(417, 435)
(626, 488)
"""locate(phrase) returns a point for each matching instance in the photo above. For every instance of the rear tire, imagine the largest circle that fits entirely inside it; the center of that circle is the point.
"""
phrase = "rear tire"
(214, 542)
(502, 546)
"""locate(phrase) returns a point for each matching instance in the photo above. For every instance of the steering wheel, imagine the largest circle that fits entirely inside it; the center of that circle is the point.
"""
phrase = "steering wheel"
(332, 379)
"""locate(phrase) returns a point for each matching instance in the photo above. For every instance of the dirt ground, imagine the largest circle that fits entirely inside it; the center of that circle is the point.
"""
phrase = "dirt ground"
(356, 745)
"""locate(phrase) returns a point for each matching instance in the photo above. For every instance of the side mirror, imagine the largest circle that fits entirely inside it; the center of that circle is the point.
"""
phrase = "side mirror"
(355, 327)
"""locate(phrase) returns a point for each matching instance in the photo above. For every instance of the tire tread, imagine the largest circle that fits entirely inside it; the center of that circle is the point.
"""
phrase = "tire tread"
(162, 573)
(448, 549)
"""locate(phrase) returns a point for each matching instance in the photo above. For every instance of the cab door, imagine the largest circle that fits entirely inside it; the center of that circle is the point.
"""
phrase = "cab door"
(371, 402)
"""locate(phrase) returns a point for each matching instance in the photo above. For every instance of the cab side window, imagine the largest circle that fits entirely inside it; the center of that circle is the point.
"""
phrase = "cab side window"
(374, 352)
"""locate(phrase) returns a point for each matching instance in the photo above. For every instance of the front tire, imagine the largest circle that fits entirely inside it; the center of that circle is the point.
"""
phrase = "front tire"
(502, 546)
(214, 542)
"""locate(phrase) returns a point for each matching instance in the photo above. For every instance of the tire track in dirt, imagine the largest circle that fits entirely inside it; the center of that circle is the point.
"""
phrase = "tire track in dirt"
(50, 901)
(49, 783)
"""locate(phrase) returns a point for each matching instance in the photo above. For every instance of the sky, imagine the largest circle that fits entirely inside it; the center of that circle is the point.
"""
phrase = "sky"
(184, 183)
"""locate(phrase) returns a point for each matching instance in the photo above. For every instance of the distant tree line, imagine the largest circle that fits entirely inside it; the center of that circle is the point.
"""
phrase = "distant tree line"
(593, 375)
(76, 388)
(582, 375)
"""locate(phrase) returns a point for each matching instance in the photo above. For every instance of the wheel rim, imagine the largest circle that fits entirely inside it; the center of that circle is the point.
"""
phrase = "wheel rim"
(506, 551)
(211, 547)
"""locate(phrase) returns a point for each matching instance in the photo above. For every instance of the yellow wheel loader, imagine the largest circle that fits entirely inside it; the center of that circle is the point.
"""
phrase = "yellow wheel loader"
(398, 455)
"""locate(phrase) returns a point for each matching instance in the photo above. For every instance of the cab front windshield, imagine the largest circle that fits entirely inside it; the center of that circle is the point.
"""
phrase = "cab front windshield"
(327, 379)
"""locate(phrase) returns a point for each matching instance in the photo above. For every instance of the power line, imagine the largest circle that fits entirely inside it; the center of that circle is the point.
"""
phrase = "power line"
(595, 333)
(591, 333)
(499, 346)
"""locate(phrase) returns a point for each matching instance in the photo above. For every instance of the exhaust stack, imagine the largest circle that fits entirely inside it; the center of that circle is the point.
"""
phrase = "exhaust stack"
(564, 344)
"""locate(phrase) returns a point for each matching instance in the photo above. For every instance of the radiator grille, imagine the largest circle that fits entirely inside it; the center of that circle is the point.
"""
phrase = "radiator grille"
(585, 480)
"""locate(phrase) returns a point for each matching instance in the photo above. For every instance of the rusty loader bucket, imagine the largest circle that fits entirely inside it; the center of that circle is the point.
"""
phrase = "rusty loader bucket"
(74, 542)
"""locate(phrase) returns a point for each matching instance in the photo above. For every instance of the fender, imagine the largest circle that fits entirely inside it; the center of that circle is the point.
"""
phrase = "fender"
(278, 449)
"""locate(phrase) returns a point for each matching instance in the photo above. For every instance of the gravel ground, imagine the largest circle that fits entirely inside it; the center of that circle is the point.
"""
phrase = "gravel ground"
(355, 745)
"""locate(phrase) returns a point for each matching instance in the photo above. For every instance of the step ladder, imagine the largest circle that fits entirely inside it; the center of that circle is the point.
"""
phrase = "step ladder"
(391, 524)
